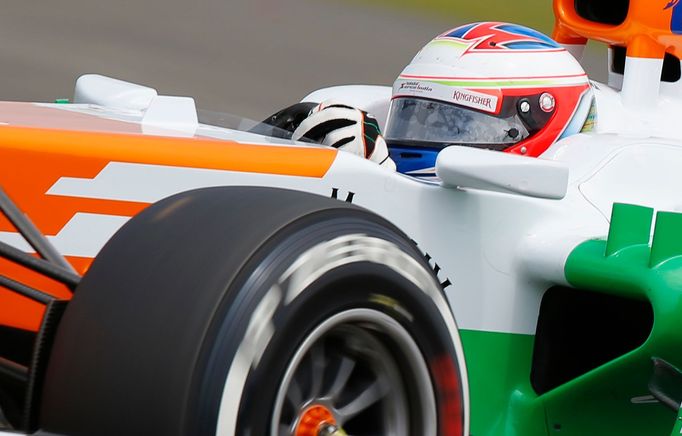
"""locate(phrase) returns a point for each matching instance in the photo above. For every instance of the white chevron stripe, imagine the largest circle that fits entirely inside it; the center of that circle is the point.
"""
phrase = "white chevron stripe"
(83, 236)
(150, 183)
(140, 182)
(137, 182)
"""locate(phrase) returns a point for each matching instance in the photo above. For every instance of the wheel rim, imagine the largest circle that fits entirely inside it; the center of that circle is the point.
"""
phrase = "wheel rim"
(359, 372)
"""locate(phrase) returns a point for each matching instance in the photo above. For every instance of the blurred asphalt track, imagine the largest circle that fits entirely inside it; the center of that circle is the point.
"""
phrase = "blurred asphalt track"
(247, 57)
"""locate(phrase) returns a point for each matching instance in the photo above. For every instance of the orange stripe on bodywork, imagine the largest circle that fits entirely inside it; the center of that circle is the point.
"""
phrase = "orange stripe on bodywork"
(32, 160)
(21, 312)
(172, 151)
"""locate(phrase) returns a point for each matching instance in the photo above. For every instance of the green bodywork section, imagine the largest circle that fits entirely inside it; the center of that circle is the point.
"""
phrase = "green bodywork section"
(598, 403)
(628, 265)
(613, 399)
(502, 400)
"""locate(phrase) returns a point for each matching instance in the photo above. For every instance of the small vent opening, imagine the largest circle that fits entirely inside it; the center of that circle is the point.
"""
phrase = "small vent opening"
(613, 12)
(579, 331)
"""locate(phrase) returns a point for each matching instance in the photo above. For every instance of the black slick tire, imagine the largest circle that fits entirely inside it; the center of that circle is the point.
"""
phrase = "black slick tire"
(190, 316)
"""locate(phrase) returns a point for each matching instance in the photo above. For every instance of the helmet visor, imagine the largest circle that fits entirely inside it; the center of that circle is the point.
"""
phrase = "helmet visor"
(439, 124)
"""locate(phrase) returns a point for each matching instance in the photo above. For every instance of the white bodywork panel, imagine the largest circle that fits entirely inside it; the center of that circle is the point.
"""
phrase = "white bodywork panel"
(469, 167)
(110, 92)
(166, 112)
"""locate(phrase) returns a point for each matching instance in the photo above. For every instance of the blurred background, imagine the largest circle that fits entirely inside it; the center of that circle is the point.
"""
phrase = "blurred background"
(247, 57)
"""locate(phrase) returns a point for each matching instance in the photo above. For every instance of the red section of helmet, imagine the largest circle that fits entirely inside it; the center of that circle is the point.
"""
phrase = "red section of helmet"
(567, 99)
(491, 36)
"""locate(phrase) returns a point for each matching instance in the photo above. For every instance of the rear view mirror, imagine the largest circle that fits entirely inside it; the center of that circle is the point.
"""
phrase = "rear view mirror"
(467, 167)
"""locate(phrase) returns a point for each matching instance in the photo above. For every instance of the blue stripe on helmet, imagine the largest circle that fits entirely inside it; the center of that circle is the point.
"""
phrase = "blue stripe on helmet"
(525, 31)
(460, 31)
(527, 45)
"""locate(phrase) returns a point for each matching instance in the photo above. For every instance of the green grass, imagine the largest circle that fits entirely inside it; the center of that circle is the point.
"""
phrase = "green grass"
(533, 13)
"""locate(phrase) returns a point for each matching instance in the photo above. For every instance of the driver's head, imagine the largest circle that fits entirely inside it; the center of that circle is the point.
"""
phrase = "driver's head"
(489, 85)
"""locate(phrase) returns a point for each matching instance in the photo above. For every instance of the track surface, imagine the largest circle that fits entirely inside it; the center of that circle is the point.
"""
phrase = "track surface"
(248, 57)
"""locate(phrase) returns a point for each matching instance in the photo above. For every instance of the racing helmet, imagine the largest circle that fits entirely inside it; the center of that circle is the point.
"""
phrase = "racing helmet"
(489, 85)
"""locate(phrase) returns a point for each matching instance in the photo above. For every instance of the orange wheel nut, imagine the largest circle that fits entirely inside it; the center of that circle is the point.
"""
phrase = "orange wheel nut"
(312, 419)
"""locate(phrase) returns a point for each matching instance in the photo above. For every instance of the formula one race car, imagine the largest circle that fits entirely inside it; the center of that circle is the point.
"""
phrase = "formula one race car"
(204, 275)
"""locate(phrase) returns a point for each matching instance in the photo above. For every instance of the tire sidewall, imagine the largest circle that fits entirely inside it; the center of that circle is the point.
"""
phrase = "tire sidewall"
(270, 311)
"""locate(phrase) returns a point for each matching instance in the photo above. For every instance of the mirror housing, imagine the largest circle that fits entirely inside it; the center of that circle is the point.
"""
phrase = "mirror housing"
(468, 167)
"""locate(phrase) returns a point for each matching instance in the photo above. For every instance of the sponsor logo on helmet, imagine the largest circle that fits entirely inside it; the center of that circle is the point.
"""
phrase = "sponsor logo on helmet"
(475, 100)
(415, 86)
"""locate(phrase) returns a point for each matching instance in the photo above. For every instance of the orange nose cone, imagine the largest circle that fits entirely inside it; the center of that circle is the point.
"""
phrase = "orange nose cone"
(312, 419)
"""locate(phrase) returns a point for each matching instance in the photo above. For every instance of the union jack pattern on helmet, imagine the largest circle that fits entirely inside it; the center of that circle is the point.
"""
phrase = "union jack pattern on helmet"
(492, 35)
